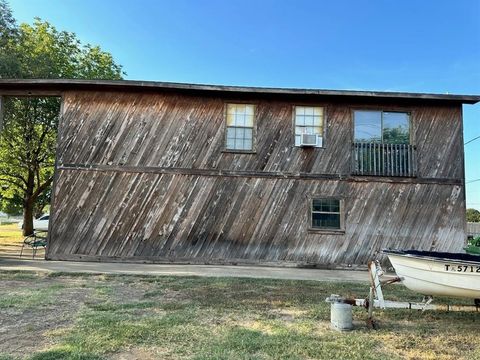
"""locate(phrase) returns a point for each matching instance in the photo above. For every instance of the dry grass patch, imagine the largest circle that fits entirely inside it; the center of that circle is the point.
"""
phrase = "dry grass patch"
(10, 233)
(129, 317)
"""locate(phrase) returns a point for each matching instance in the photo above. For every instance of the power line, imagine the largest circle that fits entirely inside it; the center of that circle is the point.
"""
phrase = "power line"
(469, 141)
(472, 181)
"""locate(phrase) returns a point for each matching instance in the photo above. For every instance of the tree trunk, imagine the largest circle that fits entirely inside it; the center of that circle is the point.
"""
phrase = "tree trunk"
(30, 200)
(28, 206)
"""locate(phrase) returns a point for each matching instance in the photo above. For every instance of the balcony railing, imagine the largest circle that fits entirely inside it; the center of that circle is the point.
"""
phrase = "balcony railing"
(384, 159)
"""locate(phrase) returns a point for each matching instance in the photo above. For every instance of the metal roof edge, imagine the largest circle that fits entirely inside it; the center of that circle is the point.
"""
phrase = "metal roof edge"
(60, 85)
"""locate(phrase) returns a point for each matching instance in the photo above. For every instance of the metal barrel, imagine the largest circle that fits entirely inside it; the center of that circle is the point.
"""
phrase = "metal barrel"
(341, 316)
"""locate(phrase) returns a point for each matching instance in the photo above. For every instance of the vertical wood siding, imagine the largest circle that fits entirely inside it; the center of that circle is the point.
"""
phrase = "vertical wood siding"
(144, 177)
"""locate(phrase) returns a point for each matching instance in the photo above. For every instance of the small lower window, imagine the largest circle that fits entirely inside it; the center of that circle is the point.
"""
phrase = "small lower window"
(327, 214)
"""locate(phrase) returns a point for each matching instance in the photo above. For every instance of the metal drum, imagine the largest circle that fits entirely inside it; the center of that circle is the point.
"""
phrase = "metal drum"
(341, 316)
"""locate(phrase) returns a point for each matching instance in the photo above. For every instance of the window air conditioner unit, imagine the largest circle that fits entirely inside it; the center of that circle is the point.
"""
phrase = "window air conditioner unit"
(307, 140)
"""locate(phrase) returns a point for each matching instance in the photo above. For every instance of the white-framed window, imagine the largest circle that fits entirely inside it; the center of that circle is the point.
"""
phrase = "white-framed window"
(309, 120)
(240, 127)
(327, 214)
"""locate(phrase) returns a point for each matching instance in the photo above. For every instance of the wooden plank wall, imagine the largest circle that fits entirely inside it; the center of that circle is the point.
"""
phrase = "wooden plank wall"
(144, 177)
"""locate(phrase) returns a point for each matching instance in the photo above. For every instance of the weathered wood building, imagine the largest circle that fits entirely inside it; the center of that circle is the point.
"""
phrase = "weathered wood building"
(167, 172)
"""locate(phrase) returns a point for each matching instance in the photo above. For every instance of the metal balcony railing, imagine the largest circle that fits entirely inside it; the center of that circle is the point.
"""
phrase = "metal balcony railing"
(384, 159)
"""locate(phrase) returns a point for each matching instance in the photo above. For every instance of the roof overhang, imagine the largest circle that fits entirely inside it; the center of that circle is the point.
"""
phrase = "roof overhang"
(56, 87)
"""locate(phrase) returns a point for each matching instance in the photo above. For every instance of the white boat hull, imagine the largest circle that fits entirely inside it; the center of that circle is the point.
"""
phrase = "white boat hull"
(438, 277)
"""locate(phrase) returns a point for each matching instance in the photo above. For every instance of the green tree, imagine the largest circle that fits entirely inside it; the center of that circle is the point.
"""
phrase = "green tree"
(28, 136)
(473, 215)
(11, 204)
(8, 32)
(397, 135)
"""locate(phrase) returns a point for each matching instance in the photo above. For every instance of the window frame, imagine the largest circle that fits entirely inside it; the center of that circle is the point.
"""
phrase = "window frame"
(385, 110)
(324, 125)
(254, 127)
(337, 231)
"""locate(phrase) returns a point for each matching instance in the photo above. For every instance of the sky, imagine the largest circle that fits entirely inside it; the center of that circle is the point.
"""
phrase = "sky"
(408, 46)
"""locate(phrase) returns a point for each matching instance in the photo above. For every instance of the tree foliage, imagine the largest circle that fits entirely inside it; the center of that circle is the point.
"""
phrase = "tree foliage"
(396, 135)
(42, 51)
(473, 215)
(27, 149)
(28, 136)
(8, 32)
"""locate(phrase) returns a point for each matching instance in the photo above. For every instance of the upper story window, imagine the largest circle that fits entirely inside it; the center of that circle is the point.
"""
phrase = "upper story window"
(309, 120)
(240, 127)
(382, 127)
(382, 144)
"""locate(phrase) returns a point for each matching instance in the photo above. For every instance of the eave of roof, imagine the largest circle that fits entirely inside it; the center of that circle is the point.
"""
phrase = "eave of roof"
(58, 86)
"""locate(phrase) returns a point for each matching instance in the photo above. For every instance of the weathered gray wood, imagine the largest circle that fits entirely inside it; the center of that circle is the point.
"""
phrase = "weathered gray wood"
(257, 174)
(143, 176)
(250, 219)
(28, 92)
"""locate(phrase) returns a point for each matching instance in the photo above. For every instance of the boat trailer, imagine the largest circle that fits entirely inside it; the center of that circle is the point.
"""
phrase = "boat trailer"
(341, 320)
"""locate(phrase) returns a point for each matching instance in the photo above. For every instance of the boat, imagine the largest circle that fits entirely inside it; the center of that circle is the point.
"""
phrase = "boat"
(438, 273)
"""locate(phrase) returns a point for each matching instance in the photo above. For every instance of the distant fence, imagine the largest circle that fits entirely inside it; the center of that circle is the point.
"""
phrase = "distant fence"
(473, 229)
(9, 220)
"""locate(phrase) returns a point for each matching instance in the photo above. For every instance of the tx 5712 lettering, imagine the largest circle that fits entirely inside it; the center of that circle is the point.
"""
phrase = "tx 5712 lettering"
(463, 268)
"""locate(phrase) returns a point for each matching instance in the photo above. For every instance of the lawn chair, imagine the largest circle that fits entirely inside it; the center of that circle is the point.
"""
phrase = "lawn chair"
(37, 240)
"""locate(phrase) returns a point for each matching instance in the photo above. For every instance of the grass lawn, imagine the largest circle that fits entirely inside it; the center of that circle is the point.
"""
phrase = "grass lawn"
(11, 241)
(10, 234)
(68, 316)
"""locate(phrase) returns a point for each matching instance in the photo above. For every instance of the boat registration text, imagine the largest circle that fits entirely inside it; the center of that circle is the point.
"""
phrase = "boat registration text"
(463, 268)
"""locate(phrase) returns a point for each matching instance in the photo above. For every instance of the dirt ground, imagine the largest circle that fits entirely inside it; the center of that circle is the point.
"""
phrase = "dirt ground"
(30, 311)
(91, 317)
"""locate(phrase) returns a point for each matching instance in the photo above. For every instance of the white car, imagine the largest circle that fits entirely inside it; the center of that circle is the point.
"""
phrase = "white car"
(40, 224)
